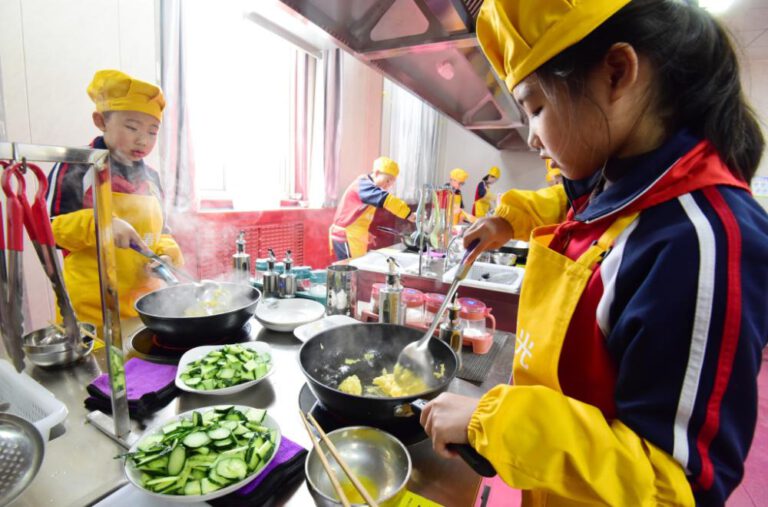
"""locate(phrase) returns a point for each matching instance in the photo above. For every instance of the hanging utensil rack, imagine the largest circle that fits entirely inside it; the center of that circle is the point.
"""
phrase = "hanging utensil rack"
(97, 159)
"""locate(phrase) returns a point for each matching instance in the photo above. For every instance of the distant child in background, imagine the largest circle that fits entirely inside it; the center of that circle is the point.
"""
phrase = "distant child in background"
(554, 177)
(485, 199)
(643, 313)
(457, 179)
(349, 233)
(128, 113)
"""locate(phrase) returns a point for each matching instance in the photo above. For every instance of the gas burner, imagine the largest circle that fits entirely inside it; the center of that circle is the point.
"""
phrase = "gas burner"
(150, 346)
(408, 431)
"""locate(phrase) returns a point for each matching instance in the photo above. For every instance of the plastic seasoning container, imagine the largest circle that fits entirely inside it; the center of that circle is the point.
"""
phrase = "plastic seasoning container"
(317, 282)
(414, 306)
(432, 302)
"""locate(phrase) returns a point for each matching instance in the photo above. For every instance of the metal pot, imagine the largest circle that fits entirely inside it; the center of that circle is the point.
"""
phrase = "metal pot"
(162, 311)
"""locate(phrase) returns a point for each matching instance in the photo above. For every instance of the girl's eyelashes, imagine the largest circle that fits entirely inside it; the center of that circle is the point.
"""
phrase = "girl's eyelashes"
(536, 112)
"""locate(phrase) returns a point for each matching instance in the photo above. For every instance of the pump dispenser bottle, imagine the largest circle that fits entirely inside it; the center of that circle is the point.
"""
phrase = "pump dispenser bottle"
(450, 330)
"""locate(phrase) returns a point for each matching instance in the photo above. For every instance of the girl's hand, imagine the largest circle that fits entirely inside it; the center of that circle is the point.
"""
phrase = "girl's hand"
(125, 234)
(493, 233)
(445, 420)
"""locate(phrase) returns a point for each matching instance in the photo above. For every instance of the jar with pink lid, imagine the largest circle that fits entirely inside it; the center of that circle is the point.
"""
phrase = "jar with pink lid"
(414, 306)
(474, 331)
(432, 303)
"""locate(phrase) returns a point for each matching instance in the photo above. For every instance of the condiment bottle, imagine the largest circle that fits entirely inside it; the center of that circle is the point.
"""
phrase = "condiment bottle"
(241, 261)
(270, 280)
(450, 331)
(391, 306)
(287, 280)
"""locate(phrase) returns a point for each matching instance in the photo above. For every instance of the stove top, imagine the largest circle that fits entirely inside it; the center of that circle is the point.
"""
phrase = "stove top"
(148, 346)
(408, 430)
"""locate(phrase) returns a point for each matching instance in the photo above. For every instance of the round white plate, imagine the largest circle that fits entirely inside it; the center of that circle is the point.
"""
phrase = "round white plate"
(285, 315)
(200, 352)
(134, 475)
(307, 331)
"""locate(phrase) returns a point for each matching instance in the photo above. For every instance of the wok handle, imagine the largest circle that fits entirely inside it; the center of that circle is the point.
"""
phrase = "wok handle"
(468, 453)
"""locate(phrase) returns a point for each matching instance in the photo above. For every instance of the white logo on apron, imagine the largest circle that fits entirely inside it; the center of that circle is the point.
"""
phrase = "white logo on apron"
(523, 347)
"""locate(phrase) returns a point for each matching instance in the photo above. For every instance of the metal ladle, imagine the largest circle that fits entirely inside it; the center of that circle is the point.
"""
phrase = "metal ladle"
(204, 289)
(416, 358)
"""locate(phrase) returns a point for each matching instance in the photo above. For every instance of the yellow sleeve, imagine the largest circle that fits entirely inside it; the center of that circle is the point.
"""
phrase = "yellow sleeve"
(166, 245)
(527, 209)
(75, 231)
(396, 206)
(540, 439)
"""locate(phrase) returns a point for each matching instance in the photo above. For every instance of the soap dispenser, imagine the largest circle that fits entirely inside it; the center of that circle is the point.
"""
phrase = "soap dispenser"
(270, 280)
(450, 330)
(241, 261)
(391, 304)
(287, 280)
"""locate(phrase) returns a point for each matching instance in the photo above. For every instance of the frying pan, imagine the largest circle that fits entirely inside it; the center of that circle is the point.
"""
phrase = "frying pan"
(411, 241)
(162, 311)
(323, 359)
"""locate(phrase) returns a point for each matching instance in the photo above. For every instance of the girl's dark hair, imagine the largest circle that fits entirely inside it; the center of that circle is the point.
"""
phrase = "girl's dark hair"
(697, 83)
(485, 178)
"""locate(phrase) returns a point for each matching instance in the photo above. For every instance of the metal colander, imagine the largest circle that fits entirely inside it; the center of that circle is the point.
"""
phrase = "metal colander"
(21, 453)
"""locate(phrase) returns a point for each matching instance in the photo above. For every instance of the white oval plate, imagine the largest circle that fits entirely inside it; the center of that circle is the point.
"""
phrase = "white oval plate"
(200, 352)
(285, 315)
(307, 331)
(134, 475)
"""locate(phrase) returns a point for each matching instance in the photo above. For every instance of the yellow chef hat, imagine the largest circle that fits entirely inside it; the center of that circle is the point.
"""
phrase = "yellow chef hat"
(459, 175)
(387, 166)
(495, 172)
(112, 90)
(518, 36)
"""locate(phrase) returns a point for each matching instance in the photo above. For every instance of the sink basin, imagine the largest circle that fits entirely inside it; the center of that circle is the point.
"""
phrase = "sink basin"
(376, 261)
(483, 275)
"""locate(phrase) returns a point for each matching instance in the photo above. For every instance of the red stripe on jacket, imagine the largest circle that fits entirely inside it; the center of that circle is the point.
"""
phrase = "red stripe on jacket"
(731, 331)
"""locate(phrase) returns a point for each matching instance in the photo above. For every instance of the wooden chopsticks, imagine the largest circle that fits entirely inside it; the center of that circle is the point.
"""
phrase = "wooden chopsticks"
(335, 453)
(87, 333)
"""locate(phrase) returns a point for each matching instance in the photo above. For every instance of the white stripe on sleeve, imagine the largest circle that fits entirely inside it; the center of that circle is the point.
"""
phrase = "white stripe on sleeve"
(701, 322)
(609, 269)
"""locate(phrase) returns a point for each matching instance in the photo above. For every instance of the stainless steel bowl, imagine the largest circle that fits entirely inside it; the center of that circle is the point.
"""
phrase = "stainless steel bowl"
(504, 259)
(379, 460)
(47, 347)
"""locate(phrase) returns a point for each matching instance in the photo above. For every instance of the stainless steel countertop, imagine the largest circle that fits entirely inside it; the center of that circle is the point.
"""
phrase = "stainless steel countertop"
(78, 468)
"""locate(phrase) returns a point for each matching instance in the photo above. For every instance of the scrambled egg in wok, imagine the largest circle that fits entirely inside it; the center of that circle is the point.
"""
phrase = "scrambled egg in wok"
(386, 384)
(218, 302)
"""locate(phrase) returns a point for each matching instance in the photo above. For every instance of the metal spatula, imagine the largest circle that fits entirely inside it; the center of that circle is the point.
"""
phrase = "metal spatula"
(416, 358)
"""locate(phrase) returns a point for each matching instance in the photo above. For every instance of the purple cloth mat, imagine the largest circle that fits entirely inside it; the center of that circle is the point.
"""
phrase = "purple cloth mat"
(287, 450)
(141, 377)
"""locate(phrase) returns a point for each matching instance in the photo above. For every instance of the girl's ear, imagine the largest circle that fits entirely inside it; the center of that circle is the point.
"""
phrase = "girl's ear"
(99, 121)
(620, 65)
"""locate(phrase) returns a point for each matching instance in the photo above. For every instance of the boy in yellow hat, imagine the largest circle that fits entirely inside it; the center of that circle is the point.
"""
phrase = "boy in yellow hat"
(641, 321)
(457, 179)
(484, 198)
(349, 232)
(128, 113)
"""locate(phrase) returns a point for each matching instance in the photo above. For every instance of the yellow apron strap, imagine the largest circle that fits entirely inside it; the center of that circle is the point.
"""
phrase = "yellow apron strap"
(598, 249)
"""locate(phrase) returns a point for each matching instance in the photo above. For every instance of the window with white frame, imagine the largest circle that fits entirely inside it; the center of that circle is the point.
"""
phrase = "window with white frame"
(239, 97)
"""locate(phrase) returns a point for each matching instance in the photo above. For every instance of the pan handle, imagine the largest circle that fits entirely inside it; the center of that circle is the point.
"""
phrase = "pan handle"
(468, 453)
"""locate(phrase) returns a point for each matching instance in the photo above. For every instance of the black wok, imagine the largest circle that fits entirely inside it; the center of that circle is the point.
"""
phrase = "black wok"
(162, 311)
(322, 359)
(411, 241)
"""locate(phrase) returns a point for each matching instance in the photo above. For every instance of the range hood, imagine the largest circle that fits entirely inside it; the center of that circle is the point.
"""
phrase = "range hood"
(430, 48)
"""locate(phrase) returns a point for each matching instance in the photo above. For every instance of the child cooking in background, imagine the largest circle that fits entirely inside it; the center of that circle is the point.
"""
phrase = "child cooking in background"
(349, 232)
(128, 112)
(457, 179)
(640, 389)
(484, 198)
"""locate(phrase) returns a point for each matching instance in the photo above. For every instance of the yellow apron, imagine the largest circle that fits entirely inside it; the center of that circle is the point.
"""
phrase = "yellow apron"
(552, 288)
(356, 232)
(81, 272)
(483, 205)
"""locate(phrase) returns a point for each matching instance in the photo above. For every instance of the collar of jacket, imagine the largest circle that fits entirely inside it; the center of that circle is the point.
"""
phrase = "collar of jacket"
(638, 176)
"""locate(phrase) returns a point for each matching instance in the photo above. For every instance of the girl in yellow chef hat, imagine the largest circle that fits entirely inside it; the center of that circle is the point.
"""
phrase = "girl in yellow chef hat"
(484, 198)
(641, 317)
(457, 179)
(128, 113)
